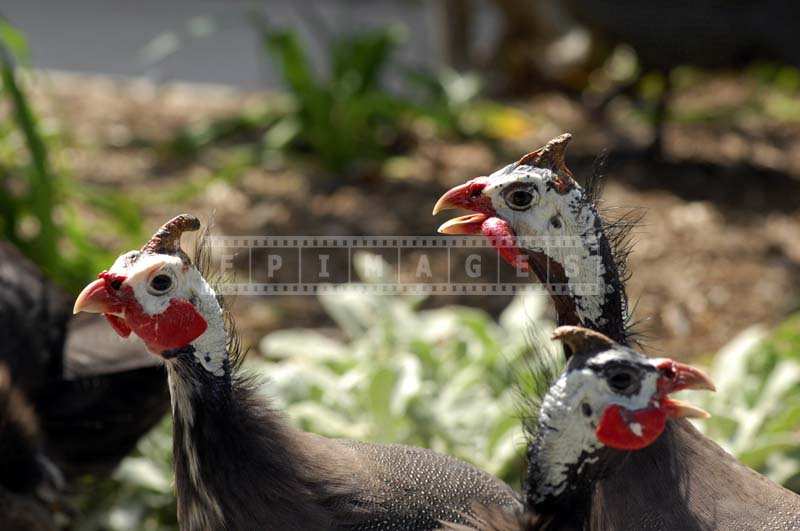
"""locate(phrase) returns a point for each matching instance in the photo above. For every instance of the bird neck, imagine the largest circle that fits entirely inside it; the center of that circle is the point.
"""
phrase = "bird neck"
(581, 274)
(201, 406)
(564, 459)
(238, 465)
(211, 347)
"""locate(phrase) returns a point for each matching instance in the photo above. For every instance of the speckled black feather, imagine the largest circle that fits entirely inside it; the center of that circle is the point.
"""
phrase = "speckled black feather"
(497, 519)
(264, 474)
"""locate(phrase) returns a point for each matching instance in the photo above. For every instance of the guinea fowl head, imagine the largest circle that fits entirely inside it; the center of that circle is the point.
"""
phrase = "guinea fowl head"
(157, 294)
(541, 220)
(533, 197)
(619, 394)
(609, 398)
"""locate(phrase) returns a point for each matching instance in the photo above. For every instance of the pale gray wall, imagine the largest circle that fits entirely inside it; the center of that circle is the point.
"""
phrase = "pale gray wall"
(108, 36)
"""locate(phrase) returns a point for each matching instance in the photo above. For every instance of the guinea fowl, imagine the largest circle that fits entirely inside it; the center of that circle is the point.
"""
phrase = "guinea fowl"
(29, 482)
(541, 220)
(608, 401)
(94, 396)
(238, 464)
(683, 480)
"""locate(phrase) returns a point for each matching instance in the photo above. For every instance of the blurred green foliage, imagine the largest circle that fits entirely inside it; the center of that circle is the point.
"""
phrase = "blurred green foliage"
(442, 378)
(756, 409)
(347, 117)
(140, 495)
(42, 211)
(453, 102)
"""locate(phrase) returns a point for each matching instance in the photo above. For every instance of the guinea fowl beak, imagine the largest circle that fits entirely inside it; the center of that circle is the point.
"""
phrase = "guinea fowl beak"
(678, 408)
(469, 224)
(94, 298)
(675, 377)
(100, 296)
(456, 197)
(467, 196)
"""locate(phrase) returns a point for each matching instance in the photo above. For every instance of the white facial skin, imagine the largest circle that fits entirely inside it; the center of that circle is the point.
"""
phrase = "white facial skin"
(574, 405)
(185, 282)
(525, 197)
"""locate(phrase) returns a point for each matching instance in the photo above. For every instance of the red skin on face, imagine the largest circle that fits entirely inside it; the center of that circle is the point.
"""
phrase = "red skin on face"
(118, 324)
(469, 196)
(615, 432)
(502, 238)
(175, 327)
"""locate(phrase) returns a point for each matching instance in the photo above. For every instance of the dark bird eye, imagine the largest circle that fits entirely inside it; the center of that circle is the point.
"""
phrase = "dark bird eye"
(116, 284)
(161, 283)
(621, 381)
(519, 199)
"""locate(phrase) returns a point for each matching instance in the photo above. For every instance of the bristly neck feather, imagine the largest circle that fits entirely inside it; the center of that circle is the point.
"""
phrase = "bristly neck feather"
(563, 465)
(564, 460)
(585, 281)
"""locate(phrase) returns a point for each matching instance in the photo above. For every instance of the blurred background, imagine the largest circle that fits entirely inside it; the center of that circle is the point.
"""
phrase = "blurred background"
(347, 117)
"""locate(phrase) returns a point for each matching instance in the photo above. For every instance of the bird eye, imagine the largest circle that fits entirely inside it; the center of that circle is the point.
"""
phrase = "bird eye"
(519, 198)
(622, 381)
(160, 283)
(116, 284)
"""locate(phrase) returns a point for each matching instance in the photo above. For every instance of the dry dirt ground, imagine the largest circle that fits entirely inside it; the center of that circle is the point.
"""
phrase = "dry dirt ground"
(718, 249)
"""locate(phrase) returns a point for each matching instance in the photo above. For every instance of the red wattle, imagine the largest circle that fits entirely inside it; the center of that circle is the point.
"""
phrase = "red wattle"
(118, 325)
(502, 237)
(615, 431)
(175, 327)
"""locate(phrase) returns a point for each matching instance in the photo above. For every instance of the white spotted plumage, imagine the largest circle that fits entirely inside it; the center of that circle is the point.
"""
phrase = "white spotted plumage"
(584, 269)
(567, 434)
(188, 284)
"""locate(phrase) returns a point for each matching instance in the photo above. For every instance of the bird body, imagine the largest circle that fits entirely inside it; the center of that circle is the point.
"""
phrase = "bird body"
(238, 464)
(679, 479)
(93, 395)
(29, 483)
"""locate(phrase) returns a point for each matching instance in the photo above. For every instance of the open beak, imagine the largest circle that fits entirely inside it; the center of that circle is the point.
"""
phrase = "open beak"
(469, 224)
(456, 197)
(469, 197)
(675, 377)
(679, 408)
